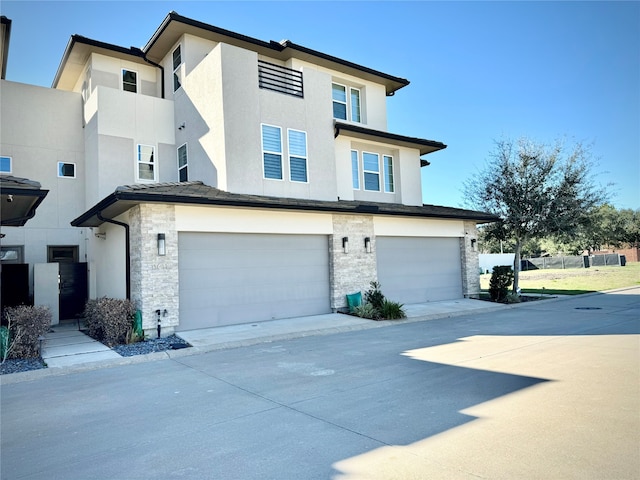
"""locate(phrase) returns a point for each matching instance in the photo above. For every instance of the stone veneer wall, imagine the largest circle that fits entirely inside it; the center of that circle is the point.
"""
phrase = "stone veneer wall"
(351, 272)
(154, 278)
(469, 257)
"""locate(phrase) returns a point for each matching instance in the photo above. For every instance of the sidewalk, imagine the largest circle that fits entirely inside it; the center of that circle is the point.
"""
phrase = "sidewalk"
(66, 348)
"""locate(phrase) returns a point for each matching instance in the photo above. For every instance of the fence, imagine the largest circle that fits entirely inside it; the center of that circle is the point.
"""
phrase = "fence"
(586, 261)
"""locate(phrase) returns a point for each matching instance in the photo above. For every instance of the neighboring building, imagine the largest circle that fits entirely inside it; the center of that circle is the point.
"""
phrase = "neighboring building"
(217, 179)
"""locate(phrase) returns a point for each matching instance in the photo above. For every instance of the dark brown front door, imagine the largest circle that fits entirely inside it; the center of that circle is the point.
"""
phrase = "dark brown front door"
(73, 283)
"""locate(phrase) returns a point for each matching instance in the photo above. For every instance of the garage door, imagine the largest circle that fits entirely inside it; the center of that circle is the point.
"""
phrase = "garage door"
(417, 270)
(228, 279)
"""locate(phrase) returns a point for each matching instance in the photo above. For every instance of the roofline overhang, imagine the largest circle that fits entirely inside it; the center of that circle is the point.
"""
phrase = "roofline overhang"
(356, 131)
(94, 45)
(37, 196)
(283, 50)
(6, 27)
(119, 202)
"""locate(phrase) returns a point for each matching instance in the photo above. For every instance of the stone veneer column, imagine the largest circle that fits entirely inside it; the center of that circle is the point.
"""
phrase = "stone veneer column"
(470, 260)
(154, 278)
(351, 272)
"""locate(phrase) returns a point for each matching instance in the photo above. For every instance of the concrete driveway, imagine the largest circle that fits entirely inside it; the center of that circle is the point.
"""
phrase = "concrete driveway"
(549, 389)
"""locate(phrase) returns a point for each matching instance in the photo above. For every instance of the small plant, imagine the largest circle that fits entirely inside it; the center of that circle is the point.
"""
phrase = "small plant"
(512, 298)
(109, 320)
(366, 310)
(392, 310)
(23, 326)
(374, 296)
(501, 279)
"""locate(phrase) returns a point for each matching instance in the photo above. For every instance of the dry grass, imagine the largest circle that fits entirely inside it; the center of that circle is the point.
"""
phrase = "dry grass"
(575, 281)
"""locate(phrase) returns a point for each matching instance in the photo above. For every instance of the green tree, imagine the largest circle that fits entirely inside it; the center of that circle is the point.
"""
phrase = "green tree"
(536, 190)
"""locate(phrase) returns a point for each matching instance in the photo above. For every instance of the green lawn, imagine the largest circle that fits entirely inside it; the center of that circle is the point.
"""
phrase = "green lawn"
(575, 281)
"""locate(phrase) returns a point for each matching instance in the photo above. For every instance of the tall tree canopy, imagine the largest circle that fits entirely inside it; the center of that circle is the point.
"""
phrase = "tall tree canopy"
(537, 191)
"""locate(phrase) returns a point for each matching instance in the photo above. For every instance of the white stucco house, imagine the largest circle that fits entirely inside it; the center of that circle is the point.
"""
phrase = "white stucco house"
(215, 179)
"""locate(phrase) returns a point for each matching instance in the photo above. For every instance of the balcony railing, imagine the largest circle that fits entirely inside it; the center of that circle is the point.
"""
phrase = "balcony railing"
(280, 79)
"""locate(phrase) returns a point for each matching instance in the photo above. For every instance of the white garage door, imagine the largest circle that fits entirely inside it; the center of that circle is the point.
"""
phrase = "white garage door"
(418, 270)
(230, 278)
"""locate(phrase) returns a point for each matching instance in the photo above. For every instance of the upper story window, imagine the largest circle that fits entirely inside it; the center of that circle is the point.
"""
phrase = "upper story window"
(387, 162)
(129, 80)
(182, 163)
(272, 151)
(355, 169)
(177, 61)
(5, 164)
(346, 103)
(146, 162)
(66, 170)
(371, 170)
(297, 155)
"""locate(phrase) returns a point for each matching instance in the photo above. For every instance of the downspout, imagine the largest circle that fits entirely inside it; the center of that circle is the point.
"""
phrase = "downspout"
(144, 57)
(127, 250)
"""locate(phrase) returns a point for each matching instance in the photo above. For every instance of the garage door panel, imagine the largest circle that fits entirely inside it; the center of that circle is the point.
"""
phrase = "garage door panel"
(419, 269)
(227, 279)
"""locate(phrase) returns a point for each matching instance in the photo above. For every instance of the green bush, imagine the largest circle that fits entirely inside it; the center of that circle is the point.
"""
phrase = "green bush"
(392, 310)
(366, 310)
(22, 326)
(501, 280)
(374, 296)
(110, 320)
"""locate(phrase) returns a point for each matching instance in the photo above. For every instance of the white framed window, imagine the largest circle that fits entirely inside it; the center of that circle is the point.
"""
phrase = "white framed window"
(183, 173)
(347, 103)
(272, 151)
(129, 80)
(387, 162)
(176, 63)
(297, 144)
(6, 164)
(146, 163)
(371, 171)
(66, 170)
(355, 169)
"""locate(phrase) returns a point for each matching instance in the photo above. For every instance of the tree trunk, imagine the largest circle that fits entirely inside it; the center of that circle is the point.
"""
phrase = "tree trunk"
(516, 266)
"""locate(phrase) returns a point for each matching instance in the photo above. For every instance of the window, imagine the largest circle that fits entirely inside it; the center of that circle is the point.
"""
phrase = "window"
(146, 162)
(5, 164)
(388, 173)
(62, 254)
(371, 169)
(66, 170)
(355, 169)
(355, 105)
(129, 80)
(11, 254)
(342, 109)
(182, 163)
(297, 156)
(272, 152)
(177, 61)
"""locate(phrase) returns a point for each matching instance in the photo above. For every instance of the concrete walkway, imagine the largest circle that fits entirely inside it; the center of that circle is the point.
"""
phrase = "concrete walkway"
(67, 346)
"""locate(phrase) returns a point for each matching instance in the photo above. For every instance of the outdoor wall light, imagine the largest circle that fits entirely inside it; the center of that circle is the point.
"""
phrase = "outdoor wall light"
(473, 244)
(367, 244)
(162, 246)
(345, 244)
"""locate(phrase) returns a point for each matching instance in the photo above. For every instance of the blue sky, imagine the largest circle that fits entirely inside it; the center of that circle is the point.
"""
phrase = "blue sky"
(479, 71)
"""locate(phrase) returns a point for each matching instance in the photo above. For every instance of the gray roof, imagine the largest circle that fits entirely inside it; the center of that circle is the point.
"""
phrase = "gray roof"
(19, 199)
(197, 193)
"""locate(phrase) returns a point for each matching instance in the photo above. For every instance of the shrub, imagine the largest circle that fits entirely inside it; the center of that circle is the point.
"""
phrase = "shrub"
(501, 279)
(366, 310)
(392, 310)
(374, 296)
(109, 320)
(22, 325)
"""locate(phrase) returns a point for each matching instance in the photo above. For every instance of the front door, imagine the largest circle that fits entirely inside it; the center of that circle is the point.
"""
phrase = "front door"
(73, 280)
